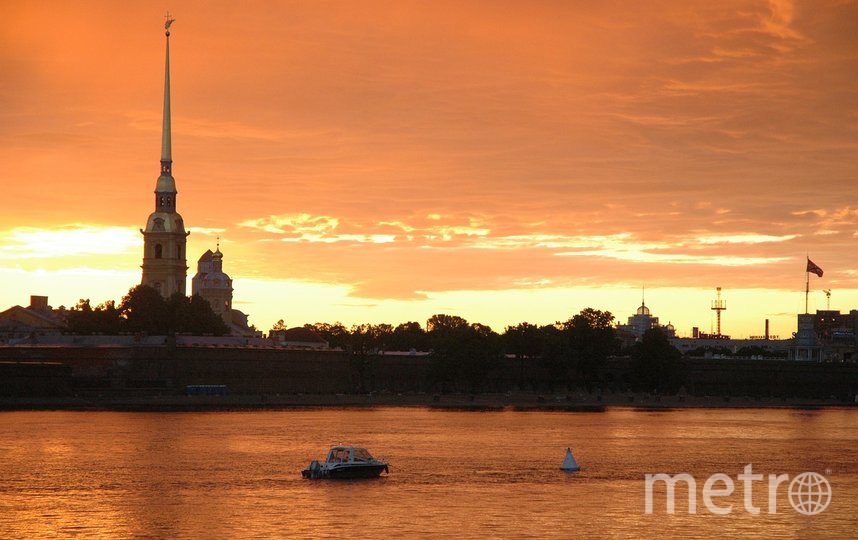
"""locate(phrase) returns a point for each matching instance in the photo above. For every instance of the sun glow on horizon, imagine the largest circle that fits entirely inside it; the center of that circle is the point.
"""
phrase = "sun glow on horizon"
(67, 241)
(268, 300)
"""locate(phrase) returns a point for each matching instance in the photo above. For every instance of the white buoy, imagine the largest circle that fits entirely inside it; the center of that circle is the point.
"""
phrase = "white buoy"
(569, 464)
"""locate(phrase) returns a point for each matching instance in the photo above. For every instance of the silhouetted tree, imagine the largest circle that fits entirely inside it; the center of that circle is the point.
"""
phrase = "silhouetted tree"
(526, 342)
(656, 364)
(382, 336)
(279, 326)
(461, 352)
(335, 334)
(361, 339)
(103, 319)
(709, 350)
(439, 324)
(756, 350)
(556, 356)
(81, 318)
(522, 340)
(195, 316)
(407, 336)
(360, 344)
(144, 310)
(445, 334)
(592, 339)
(478, 351)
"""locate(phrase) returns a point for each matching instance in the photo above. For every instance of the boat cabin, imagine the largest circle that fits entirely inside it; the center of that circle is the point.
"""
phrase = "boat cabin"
(348, 454)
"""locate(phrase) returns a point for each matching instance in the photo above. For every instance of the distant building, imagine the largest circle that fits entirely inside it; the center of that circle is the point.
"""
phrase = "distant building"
(164, 239)
(697, 334)
(805, 345)
(299, 337)
(714, 342)
(826, 336)
(239, 325)
(215, 286)
(211, 283)
(639, 323)
(38, 319)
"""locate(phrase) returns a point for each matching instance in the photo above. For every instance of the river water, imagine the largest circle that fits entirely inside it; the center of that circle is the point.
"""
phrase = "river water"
(452, 475)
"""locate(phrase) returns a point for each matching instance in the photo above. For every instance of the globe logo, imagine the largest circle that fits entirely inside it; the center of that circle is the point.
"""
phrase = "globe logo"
(809, 493)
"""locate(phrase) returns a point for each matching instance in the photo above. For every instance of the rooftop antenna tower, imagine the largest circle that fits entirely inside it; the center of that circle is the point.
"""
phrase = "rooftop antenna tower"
(827, 299)
(718, 305)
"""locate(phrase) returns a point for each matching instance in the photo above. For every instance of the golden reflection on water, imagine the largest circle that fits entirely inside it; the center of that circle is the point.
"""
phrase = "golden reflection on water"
(453, 474)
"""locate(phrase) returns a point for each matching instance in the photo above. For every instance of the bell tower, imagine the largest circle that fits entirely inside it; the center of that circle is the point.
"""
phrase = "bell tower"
(213, 284)
(164, 240)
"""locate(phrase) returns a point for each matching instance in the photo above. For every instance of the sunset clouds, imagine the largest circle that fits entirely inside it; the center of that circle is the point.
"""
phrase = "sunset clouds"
(396, 152)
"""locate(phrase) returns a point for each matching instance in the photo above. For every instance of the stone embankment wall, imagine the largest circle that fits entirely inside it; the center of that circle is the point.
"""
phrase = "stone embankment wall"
(147, 370)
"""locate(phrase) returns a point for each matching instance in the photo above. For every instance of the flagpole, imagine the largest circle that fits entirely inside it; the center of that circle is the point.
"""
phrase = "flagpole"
(811, 267)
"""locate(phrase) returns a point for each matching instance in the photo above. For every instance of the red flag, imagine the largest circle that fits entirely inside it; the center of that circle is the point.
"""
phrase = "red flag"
(811, 267)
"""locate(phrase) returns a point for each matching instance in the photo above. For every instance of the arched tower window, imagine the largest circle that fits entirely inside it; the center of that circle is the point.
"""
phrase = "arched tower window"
(178, 252)
(159, 251)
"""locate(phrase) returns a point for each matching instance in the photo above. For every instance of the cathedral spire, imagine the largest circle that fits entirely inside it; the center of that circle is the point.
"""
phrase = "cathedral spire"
(164, 238)
(166, 146)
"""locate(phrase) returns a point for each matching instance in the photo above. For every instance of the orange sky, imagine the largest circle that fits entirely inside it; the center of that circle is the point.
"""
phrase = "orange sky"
(383, 161)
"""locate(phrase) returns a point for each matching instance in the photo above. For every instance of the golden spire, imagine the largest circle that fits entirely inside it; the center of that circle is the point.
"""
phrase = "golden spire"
(166, 143)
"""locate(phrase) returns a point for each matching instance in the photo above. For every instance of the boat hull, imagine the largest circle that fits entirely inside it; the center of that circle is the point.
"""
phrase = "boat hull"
(361, 471)
(345, 472)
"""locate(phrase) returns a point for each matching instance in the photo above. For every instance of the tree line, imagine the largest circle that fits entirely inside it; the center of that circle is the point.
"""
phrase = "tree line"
(568, 353)
(144, 310)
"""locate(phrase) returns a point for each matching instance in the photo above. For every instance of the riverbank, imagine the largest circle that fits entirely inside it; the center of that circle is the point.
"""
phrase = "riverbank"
(581, 402)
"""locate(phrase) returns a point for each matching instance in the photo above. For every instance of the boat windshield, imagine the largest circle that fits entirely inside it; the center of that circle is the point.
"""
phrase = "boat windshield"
(362, 454)
(339, 455)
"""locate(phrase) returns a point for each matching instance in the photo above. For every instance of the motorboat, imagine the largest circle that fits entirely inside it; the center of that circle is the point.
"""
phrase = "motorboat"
(346, 462)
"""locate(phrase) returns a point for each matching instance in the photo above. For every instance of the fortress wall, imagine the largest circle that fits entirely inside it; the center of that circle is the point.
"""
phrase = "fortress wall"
(249, 370)
(265, 370)
(34, 379)
(779, 378)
